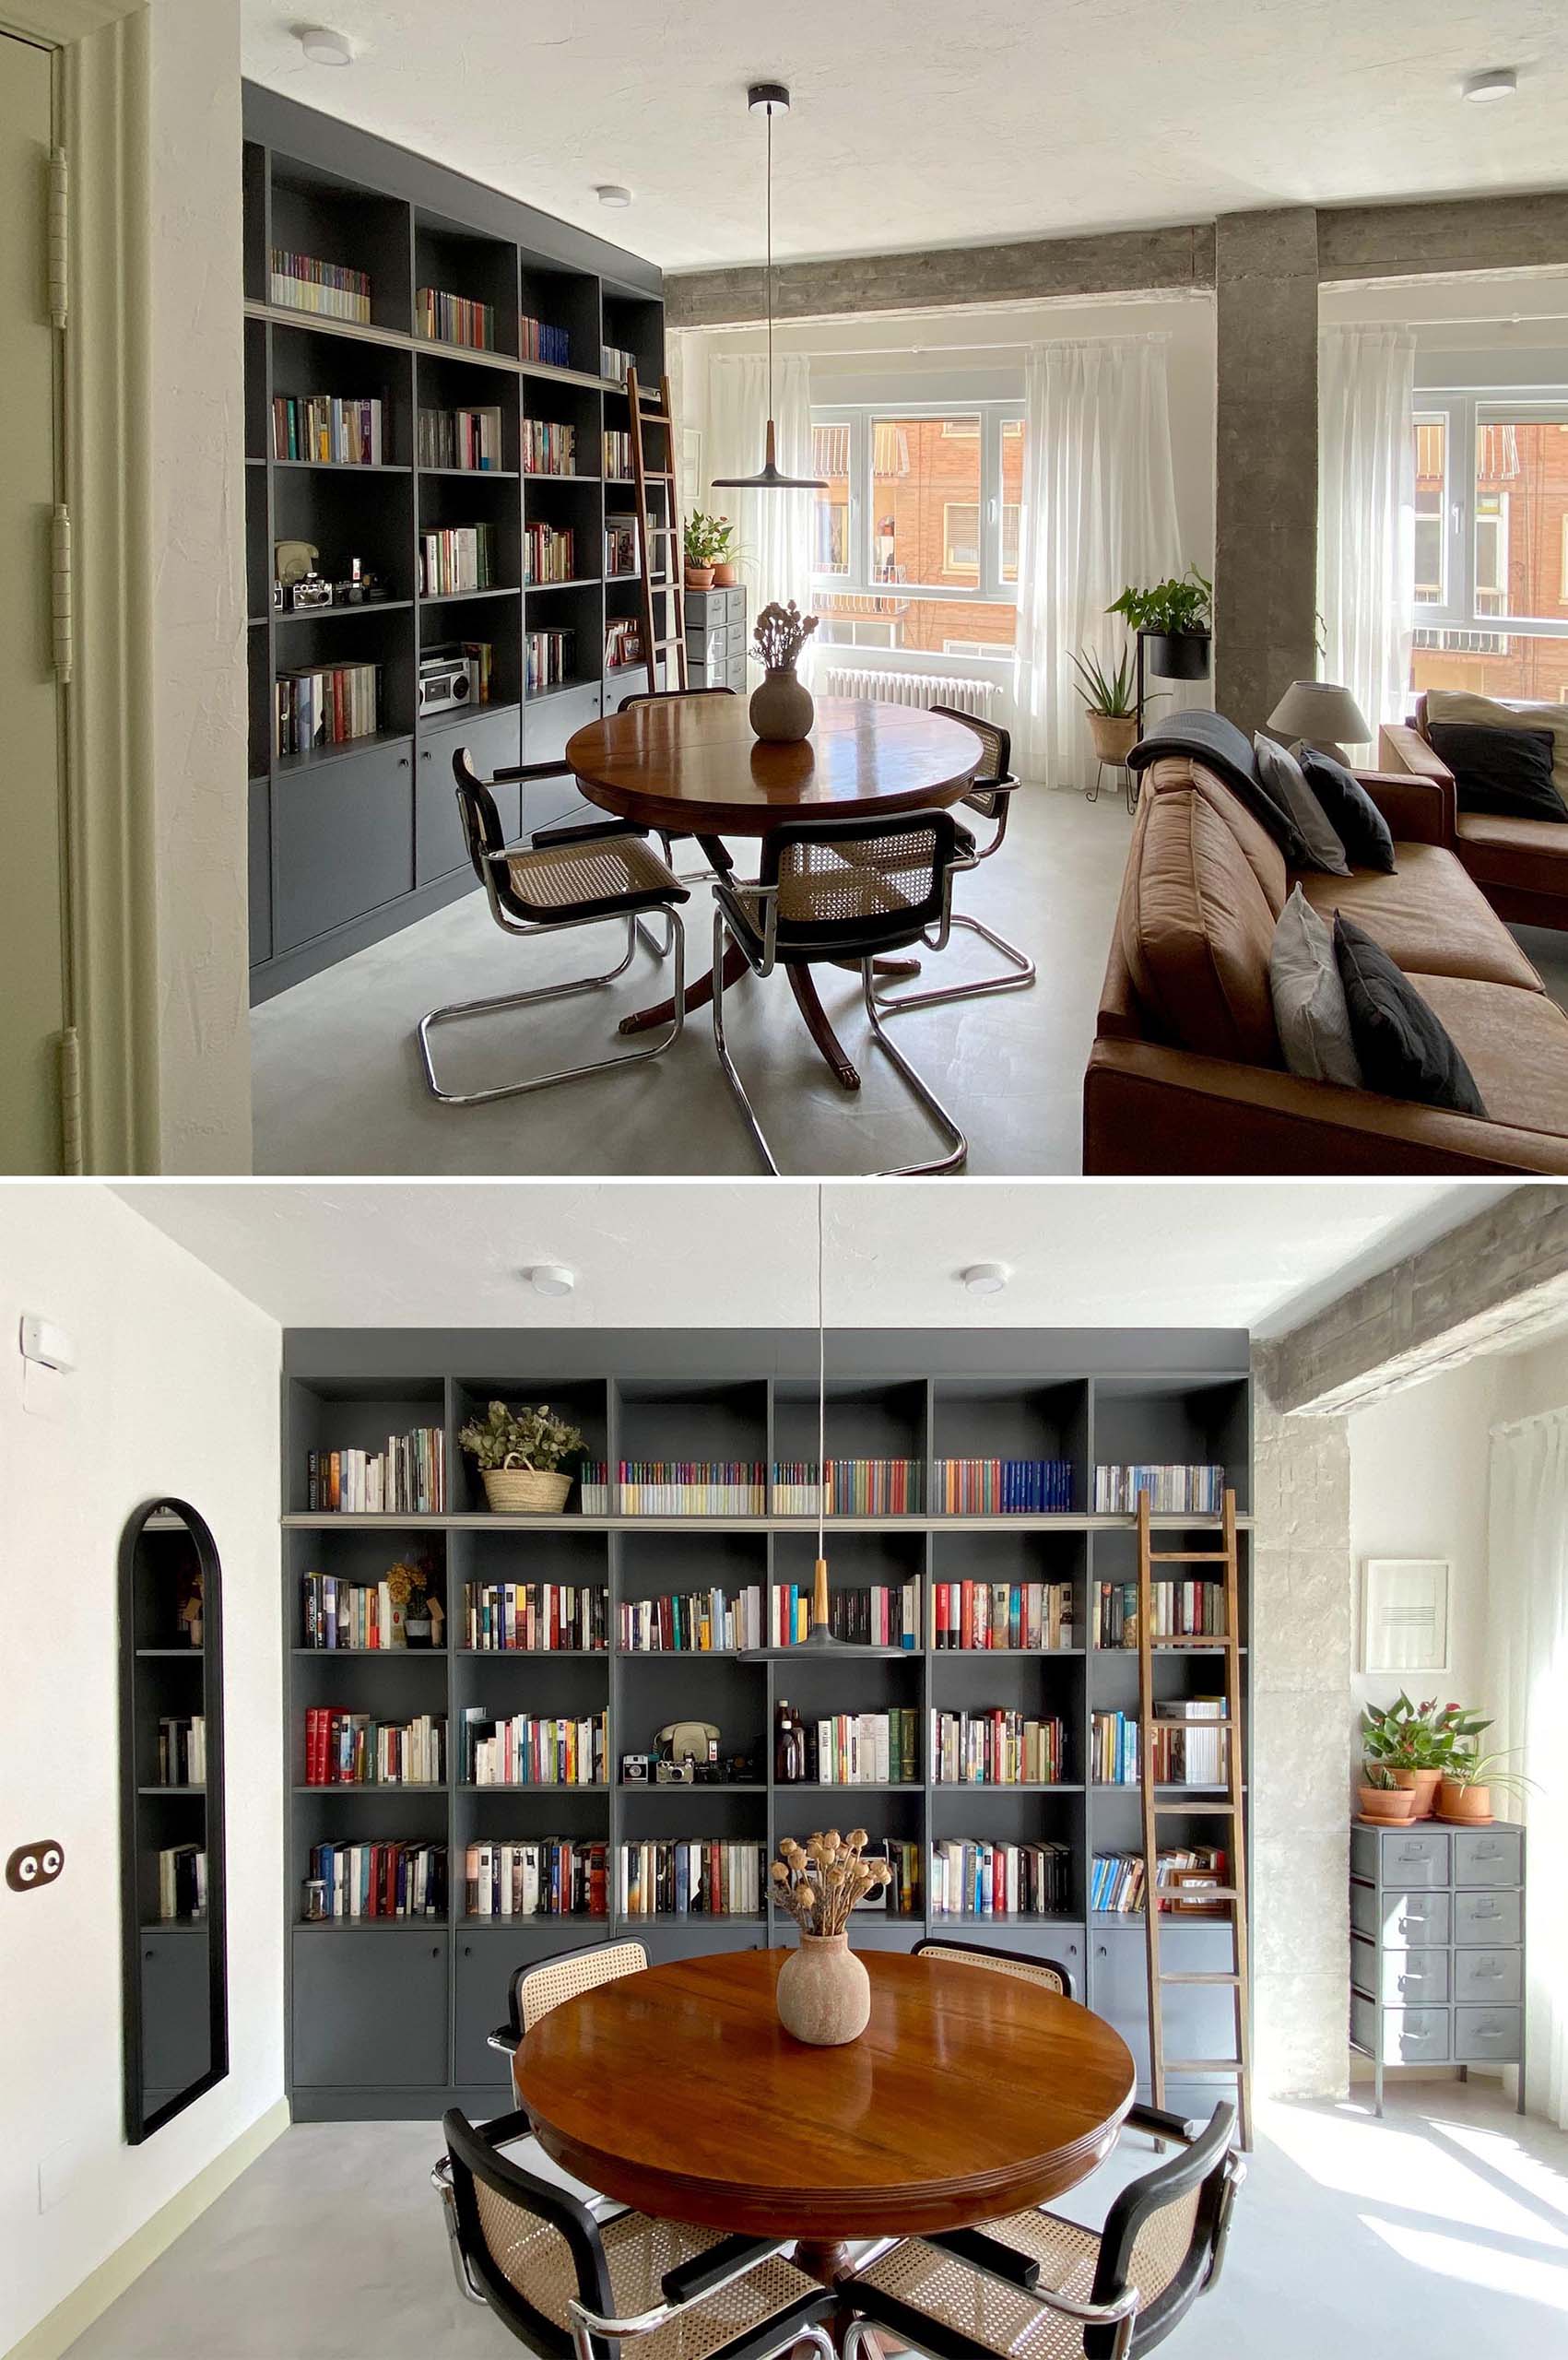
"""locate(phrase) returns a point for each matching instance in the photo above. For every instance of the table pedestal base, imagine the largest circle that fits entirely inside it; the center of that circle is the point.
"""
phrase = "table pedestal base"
(825, 2259)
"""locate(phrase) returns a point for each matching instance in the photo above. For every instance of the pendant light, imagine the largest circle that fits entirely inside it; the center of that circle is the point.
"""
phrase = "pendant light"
(767, 96)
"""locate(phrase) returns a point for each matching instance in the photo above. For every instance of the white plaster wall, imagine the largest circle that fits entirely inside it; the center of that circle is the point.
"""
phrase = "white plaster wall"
(176, 1392)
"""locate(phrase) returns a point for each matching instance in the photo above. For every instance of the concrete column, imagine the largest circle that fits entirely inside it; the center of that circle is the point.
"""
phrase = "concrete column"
(1265, 459)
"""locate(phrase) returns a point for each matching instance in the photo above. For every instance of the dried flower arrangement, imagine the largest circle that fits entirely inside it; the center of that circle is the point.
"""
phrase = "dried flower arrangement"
(781, 633)
(820, 1881)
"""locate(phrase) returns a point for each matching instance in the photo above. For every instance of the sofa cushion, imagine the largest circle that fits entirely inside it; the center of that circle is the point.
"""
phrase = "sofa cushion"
(1404, 1049)
(1309, 997)
(1428, 917)
(1197, 927)
(1531, 855)
(1487, 712)
(1353, 815)
(1507, 771)
(1257, 847)
(1516, 1044)
(1210, 738)
(1282, 773)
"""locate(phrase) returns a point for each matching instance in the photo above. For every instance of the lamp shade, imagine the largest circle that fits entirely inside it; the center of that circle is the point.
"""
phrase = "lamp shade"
(1321, 713)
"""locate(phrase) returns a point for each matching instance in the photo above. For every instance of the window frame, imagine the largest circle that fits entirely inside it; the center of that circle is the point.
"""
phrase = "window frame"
(1464, 414)
(990, 587)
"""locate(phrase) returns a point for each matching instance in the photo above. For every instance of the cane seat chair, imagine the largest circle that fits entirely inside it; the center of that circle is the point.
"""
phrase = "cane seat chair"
(562, 879)
(1036, 2286)
(536, 1990)
(1048, 1973)
(990, 794)
(571, 2287)
(838, 891)
(663, 696)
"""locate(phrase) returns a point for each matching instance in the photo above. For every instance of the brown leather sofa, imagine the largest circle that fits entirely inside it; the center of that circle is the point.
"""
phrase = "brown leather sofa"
(1520, 865)
(1186, 1074)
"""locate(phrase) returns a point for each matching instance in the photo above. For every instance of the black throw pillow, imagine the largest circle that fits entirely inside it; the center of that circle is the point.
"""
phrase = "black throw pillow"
(1507, 771)
(1403, 1049)
(1219, 745)
(1350, 811)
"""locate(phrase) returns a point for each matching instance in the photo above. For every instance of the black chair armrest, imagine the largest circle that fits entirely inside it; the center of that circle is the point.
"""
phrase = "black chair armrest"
(504, 2129)
(989, 2254)
(1160, 2124)
(506, 2036)
(559, 768)
(706, 2271)
(543, 838)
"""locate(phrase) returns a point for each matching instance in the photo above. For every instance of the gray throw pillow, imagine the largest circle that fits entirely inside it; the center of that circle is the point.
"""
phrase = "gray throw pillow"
(1282, 775)
(1308, 992)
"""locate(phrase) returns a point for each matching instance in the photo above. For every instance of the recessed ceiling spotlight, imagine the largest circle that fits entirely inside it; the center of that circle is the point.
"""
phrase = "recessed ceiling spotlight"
(323, 46)
(1498, 82)
(613, 193)
(985, 1278)
(550, 1278)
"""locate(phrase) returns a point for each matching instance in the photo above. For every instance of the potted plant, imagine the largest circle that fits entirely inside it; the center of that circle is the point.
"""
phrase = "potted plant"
(1417, 1742)
(824, 1992)
(1469, 1782)
(725, 572)
(1380, 1796)
(1110, 703)
(1175, 617)
(519, 1454)
(417, 1601)
(702, 549)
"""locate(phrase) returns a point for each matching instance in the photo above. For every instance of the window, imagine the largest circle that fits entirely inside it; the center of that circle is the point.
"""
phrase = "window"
(1492, 546)
(1432, 510)
(830, 458)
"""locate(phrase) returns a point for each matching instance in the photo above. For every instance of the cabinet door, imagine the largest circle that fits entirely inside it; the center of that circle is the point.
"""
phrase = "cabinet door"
(547, 723)
(345, 840)
(485, 1963)
(369, 2008)
(1200, 2019)
(703, 1937)
(1063, 1945)
(259, 869)
(176, 2022)
(492, 740)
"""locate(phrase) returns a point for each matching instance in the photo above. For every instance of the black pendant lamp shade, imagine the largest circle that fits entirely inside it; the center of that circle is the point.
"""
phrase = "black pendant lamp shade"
(765, 97)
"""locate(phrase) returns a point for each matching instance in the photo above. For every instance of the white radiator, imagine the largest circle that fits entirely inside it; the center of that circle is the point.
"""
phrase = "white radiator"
(926, 688)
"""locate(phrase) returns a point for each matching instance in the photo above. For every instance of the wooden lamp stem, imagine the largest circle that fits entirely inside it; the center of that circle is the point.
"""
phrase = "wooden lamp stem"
(819, 1595)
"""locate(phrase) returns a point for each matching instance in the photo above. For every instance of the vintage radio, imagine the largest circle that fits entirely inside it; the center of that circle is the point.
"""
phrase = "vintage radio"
(446, 683)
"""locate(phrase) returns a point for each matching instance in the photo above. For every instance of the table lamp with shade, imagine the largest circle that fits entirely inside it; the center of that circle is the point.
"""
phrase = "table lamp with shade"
(1320, 713)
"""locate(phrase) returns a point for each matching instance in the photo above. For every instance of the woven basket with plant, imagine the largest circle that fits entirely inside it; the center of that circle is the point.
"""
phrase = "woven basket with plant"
(519, 1453)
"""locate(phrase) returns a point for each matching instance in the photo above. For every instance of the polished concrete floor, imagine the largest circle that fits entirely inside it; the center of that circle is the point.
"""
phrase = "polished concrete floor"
(339, 1088)
(1441, 2231)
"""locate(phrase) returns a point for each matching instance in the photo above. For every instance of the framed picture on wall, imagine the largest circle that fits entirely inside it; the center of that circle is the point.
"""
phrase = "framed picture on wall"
(1405, 1614)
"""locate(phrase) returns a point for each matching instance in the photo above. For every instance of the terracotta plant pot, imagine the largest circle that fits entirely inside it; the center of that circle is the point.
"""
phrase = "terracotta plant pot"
(1115, 735)
(781, 709)
(522, 1490)
(1466, 1806)
(725, 577)
(699, 577)
(824, 1992)
(1423, 1785)
(1389, 1805)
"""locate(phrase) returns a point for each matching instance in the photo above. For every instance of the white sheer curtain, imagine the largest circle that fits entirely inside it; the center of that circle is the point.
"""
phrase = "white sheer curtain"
(1528, 1562)
(1099, 512)
(1366, 514)
(772, 528)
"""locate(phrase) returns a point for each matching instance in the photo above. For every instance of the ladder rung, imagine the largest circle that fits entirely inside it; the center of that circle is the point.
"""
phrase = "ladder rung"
(1234, 1980)
(1203, 2065)
(1195, 1557)
(1187, 1811)
(1208, 1892)
(660, 645)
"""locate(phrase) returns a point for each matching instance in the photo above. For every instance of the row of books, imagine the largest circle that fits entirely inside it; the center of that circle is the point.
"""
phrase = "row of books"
(620, 545)
(330, 706)
(454, 319)
(623, 643)
(326, 428)
(341, 1614)
(692, 1622)
(1004, 1486)
(1173, 1490)
(469, 440)
(327, 289)
(1117, 1879)
(397, 1878)
(345, 1748)
(181, 1749)
(863, 1749)
(534, 1618)
(182, 1883)
(527, 1751)
(877, 1615)
(549, 658)
(1003, 1614)
(408, 1478)
(854, 1487)
(997, 1749)
(458, 557)
(537, 341)
(617, 454)
(549, 448)
(549, 554)
(1191, 1609)
(689, 1879)
(550, 1877)
(970, 1878)
(1190, 1745)
(615, 362)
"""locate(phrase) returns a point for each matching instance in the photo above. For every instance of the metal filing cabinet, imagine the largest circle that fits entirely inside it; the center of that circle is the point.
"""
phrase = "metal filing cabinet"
(1437, 1947)
(716, 640)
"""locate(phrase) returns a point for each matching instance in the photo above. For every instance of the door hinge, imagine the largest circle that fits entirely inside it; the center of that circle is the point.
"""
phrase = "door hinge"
(71, 1102)
(59, 236)
(62, 602)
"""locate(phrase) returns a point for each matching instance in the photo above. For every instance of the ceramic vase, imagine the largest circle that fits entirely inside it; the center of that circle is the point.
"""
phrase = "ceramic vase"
(824, 1992)
(782, 710)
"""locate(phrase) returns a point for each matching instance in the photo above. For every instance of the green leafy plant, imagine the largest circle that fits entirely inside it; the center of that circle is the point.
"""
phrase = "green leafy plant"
(1418, 1737)
(722, 541)
(1379, 1776)
(1109, 692)
(1468, 1767)
(707, 539)
(1185, 603)
(521, 1437)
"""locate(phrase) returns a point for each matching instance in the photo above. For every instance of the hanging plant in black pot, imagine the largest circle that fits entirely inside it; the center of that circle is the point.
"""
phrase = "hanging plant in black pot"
(1173, 619)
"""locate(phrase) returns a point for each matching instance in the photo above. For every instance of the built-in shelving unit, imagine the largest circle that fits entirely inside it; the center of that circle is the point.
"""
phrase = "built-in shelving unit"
(398, 2025)
(372, 840)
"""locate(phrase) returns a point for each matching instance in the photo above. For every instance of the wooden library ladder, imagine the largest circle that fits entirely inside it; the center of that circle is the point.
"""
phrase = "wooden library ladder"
(1231, 1898)
(661, 573)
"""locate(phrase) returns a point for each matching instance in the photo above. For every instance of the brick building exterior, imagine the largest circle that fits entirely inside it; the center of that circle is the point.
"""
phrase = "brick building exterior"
(927, 522)
(1521, 562)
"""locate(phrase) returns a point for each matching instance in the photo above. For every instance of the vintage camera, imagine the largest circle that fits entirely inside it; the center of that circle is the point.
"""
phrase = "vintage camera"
(359, 588)
(634, 1769)
(313, 590)
(676, 1774)
(446, 683)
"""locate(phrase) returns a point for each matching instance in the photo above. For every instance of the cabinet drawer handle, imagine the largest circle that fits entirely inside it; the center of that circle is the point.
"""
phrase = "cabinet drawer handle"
(1488, 1851)
(435, 1950)
(1489, 1973)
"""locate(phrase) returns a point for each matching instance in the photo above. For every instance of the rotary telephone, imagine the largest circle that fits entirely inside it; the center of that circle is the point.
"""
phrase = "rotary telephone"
(678, 1739)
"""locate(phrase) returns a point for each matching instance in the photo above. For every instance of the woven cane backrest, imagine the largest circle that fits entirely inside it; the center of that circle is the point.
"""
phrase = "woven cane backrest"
(996, 768)
(1043, 1971)
(481, 820)
(1163, 2245)
(531, 2254)
(868, 884)
(563, 1978)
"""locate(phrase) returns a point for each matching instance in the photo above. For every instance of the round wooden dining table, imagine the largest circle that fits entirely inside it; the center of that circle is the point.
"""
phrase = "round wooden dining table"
(969, 2094)
(691, 766)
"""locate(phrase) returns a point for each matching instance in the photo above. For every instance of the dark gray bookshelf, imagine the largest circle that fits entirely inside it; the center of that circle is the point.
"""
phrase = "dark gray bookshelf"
(353, 841)
(389, 2019)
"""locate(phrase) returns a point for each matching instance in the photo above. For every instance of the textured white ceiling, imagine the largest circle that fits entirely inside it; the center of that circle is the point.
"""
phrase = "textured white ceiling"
(920, 122)
(1085, 1254)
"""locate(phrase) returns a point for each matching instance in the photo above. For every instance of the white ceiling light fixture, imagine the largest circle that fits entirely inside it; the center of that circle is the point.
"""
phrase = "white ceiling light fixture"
(323, 46)
(612, 192)
(769, 99)
(986, 1277)
(553, 1279)
(1485, 89)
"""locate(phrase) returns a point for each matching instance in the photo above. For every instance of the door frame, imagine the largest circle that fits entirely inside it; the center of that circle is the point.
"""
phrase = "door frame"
(103, 105)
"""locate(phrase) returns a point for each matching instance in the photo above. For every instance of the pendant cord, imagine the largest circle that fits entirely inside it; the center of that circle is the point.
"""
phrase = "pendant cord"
(821, 1394)
(769, 269)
